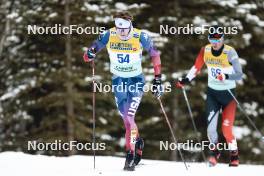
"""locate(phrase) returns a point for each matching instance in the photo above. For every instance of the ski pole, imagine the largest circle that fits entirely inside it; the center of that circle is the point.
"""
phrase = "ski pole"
(193, 123)
(173, 136)
(244, 112)
(93, 73)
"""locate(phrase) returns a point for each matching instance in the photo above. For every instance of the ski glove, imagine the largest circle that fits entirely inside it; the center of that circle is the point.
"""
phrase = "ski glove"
(89, 55)
(182, 81)
(221, 76)
(157, 89)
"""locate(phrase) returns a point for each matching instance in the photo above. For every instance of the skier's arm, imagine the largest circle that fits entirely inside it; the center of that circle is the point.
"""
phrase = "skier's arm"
(101, 41)
(234, 60)
(96, 46)
(148, 45)
(199, 62)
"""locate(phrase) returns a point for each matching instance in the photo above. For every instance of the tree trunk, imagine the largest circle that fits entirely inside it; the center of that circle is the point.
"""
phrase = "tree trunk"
(174, 105)
(69, 85)
(6, 28)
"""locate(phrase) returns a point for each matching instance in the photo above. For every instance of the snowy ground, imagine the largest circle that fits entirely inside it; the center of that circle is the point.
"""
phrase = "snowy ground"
(20, 164)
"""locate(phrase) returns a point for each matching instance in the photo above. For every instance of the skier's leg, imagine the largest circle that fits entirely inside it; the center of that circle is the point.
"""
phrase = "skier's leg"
(135, 94)
(227, 125)
(121, 99)
(129, 123)
(132, 134)
(127, 103)
(228, 118)
(135, 142)
(212, 113)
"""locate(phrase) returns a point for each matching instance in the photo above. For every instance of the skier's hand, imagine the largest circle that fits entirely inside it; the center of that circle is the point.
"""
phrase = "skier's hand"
(221, 76)
(182, 81)
(89, 55)
(157, 89)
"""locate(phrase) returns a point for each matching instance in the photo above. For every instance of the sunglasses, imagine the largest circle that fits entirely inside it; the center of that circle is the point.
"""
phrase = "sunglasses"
(215, 40)
(122, 31)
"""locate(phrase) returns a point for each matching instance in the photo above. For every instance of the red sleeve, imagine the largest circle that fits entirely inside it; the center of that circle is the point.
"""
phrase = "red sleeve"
(199, 62)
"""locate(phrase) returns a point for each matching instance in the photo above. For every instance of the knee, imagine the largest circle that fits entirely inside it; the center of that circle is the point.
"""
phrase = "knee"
(129, 123)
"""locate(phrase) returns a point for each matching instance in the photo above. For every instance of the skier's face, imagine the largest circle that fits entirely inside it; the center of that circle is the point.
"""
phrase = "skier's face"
(122, 32)
(216, 43)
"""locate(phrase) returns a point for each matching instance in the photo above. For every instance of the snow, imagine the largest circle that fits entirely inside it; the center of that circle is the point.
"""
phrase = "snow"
(103, 120)
(12, 38)
(247, 38)
(167, 18)
(122, 142)
(13, 92)
(177, 75)
(20, 164)
(12, 15)
(121, 6)
(251, 108)
(52, 15)
(90, 78)
(199, 20)
(229, 3)
(106, 137)
(105, 19)
(254, 19)
(91, 7)
(240, 132)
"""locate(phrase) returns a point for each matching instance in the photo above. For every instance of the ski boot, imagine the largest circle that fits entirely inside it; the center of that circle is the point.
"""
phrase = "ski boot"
(234, 160)
(129, 164)
(214, 155)
(138, 150)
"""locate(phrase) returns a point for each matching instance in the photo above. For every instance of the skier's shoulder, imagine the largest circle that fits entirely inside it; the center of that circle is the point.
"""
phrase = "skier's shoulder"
(228, 47)
(137, 32)
(231, 52)
(145, 39)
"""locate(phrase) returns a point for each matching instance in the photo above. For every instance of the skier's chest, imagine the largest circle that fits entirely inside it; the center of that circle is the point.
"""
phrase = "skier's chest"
(220, 61)
(118, 46)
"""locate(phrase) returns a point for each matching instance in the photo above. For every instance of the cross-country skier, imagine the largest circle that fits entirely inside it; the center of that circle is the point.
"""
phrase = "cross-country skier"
(124, 44)
(224, 69)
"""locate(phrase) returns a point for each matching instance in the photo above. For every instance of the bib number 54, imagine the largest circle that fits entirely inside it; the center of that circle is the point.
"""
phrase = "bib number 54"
(123, 58)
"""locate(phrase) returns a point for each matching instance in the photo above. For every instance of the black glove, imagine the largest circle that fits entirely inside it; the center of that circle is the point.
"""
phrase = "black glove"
(91, 53)
(157, 90)
(182, 82)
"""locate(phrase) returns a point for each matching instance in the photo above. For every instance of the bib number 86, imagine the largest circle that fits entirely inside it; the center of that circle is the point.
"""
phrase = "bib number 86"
(123, 58)
(215, 72)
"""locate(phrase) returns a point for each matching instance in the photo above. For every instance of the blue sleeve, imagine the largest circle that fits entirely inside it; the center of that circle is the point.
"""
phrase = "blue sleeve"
(148, 45)
(101, 41)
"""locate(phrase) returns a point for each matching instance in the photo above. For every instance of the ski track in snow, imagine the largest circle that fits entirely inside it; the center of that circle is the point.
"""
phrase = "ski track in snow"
(20, 164)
